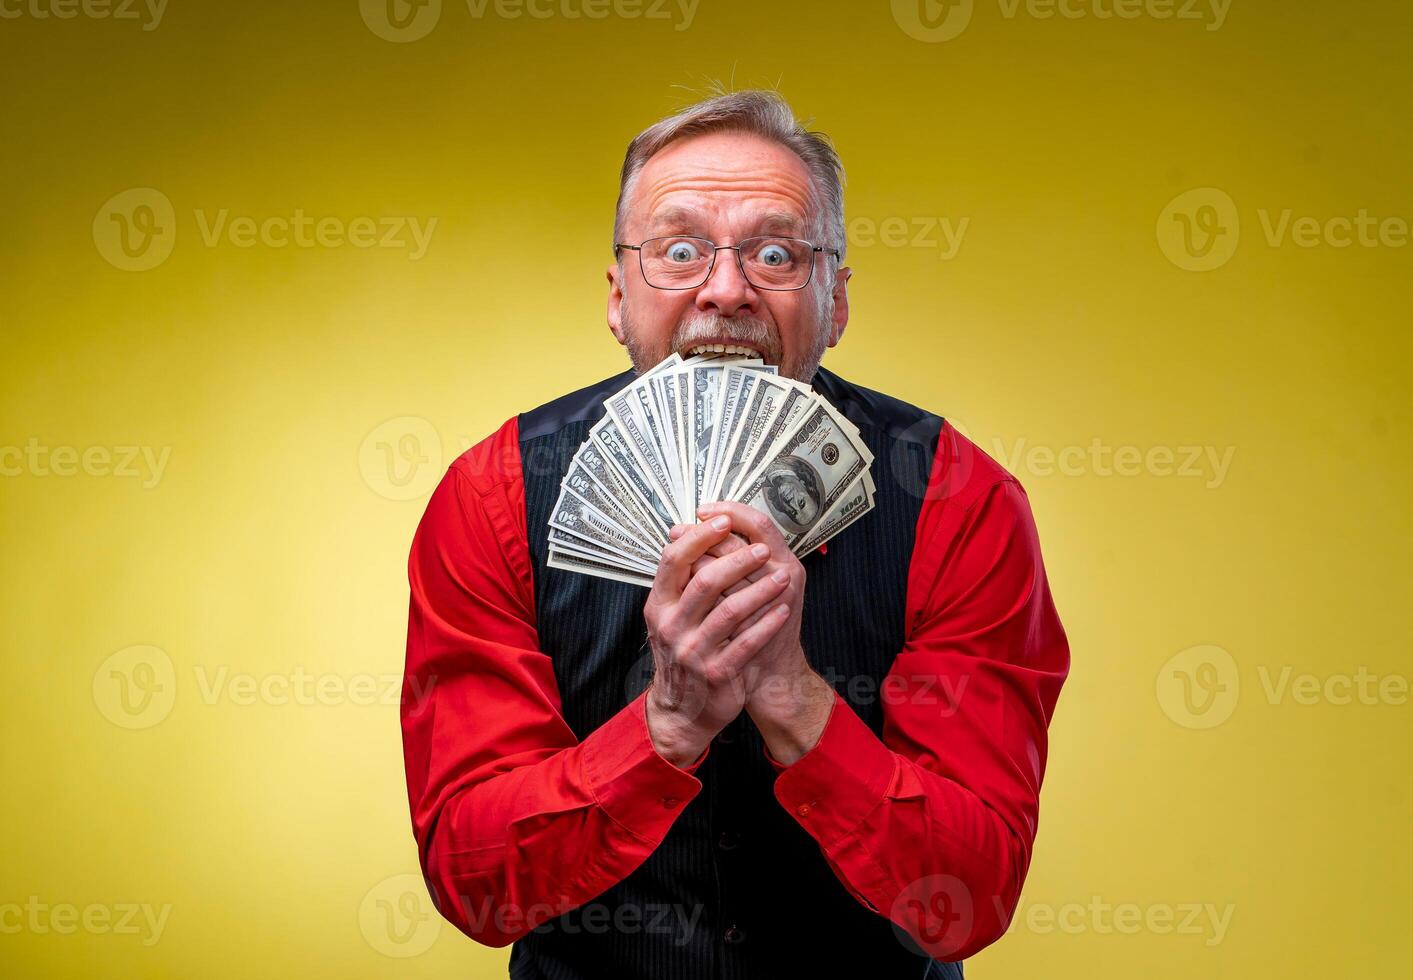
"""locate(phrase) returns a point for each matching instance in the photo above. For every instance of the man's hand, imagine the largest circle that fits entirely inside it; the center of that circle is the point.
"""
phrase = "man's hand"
(731, 543)
(786, 698)
(702, 641)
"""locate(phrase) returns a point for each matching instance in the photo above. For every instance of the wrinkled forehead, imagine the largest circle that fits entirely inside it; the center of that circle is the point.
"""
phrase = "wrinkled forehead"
(723, 183)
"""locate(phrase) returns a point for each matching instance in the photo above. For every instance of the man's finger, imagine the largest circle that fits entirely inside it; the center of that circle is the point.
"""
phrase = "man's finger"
(674, 567)
(753, 525)
(742, 648)
(754, 617)
(706, 587)
(726, 619)
(727, 545)
(731, 544)
(752, 576)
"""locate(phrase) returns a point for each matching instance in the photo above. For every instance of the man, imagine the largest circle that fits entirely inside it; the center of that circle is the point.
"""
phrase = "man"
(836, 764)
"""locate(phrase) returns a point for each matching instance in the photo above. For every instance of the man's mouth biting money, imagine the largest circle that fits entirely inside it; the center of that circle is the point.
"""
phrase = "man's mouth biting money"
(721, 348)
(748, 336)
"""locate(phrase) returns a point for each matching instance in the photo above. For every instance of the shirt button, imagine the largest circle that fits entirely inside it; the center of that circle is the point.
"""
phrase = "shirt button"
(734, 935)
(803, 809)
(728, 840)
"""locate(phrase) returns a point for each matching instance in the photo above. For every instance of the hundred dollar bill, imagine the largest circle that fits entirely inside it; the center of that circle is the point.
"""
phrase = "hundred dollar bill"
(572, 513)
(740, 380)
(682, 392)
(653, 378)
(588, 566)
(766, 414)
(641, 445)
(664, 393)
(705, 429)
(855, 503)
(816, 464)
(614, 445)
(565, 542)
(653, 424)
(597, 466)
(782, 421)
(722, 357)
(706, 388)
(579, 480)
(736, 385)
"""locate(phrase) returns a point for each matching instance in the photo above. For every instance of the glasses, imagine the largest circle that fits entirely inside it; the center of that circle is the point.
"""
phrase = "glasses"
(681, 262)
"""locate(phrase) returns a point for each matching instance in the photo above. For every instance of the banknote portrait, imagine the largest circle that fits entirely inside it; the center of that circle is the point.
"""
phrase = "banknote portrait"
(793, 493)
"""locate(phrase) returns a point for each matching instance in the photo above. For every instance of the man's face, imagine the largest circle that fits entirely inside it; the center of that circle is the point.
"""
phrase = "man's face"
(725, 187)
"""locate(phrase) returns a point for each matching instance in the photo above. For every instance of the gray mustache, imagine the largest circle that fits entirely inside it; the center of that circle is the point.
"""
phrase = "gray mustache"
(750, 329)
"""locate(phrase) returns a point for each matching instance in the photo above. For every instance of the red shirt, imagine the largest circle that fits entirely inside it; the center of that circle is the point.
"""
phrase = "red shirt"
(517, 821)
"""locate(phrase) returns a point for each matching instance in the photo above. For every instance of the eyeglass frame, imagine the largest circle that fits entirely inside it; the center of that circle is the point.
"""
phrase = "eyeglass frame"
(740, 264)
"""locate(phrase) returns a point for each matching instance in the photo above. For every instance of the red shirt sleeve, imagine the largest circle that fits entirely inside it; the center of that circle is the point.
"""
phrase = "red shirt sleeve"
(932, 825)
(516, 820)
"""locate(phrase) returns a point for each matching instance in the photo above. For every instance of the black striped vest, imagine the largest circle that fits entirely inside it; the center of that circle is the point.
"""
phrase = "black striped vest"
(737, 889)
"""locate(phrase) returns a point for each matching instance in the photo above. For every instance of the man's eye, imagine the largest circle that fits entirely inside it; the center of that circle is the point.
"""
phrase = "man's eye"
(682, 252)
(773, 255)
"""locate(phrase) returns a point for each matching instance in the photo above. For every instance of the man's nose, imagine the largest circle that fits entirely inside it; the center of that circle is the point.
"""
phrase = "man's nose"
(726, 291)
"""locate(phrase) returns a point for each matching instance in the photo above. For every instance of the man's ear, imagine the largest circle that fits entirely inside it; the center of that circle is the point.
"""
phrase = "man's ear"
(615, 303)
(841, 305)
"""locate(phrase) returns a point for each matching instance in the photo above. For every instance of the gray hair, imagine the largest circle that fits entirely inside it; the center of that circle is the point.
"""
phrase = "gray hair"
(764, 113)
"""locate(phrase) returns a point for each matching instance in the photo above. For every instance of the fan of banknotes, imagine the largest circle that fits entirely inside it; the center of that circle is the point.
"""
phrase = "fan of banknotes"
(719, 425)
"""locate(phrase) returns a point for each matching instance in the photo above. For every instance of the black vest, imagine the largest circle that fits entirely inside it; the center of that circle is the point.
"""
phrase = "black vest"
(737, 890)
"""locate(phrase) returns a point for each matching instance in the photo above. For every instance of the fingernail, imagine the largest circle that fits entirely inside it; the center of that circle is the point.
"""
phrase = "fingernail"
(781, 576)
(760, 550)
(720, 523)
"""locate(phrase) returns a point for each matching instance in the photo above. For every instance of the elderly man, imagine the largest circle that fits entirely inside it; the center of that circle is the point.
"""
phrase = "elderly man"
(836, 763)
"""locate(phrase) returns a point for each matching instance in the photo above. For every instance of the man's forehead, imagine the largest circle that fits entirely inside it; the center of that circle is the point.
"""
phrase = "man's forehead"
(737, 176)
(767, 217)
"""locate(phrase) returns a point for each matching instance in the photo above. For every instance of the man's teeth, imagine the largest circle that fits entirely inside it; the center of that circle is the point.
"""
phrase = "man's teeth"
(721, 349)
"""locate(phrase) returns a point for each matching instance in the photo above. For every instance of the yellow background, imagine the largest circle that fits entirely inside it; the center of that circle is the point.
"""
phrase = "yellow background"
(275, 541)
